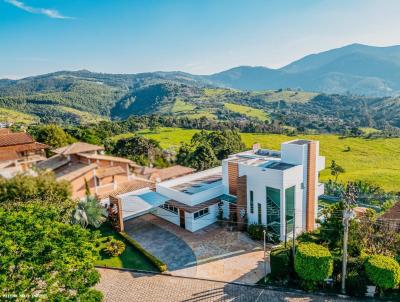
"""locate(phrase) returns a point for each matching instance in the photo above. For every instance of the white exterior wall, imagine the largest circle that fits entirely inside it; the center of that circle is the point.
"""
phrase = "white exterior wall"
(257, 181)
(194, 225)
(166, 188)
(167, 215)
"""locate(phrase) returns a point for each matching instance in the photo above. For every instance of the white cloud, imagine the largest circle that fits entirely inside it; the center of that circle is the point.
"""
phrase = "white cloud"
(51, 13)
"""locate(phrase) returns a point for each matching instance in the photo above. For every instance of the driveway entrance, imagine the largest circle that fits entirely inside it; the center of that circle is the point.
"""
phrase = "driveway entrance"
(211, 253)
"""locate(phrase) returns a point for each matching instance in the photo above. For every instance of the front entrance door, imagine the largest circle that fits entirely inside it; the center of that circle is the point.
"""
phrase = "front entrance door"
(182, 218)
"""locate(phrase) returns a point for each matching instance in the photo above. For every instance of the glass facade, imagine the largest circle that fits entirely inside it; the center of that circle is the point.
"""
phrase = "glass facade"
(289, 206)
(251, 202)
(274, 210)
(259, 213)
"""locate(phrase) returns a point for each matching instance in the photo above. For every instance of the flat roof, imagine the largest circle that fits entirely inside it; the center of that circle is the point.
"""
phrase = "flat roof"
(279, 166)
(300, 142)
(199, 184)
(140, 202)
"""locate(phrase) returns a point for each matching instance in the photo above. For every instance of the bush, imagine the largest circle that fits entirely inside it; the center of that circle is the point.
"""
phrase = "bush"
(383, 271)
(313, 264)
(255, 231)
(280, 259)
(356, 283)
(114, 247)
(157, 262)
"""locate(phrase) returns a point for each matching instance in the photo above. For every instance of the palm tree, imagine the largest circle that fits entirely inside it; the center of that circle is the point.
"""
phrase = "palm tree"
(89, 212)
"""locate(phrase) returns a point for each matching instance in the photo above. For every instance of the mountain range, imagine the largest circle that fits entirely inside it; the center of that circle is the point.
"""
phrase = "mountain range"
(354, 69)
(355, 83)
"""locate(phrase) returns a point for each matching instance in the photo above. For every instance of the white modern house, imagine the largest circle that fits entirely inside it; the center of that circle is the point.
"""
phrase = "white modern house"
(278, 189)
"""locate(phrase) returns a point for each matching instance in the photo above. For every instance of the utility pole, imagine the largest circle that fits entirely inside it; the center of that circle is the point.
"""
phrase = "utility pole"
(265, 256)
(347, 215)
(349, 200)
(294, 236)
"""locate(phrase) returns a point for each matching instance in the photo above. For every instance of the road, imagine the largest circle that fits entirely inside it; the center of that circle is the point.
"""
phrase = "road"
(128, 286)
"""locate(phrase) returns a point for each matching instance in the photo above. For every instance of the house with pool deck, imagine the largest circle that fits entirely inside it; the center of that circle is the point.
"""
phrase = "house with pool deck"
(278, 189)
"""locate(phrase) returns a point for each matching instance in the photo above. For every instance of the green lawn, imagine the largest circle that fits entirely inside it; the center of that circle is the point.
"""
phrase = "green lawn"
(181, 106)
(248, 111)
(130, 258)
(373, 160)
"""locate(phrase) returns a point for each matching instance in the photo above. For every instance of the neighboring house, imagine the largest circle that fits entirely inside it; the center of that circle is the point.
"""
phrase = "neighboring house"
(18, 152)
(158, 175)
(392, 217)
(278, 189)
(82, 166)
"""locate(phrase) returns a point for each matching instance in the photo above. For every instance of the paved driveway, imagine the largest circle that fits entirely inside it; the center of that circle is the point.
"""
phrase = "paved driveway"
(120, 286)
(212, 253)
(165, 245)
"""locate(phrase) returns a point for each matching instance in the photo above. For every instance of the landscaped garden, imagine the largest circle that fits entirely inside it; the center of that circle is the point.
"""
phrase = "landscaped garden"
(373, 256)
(130, 258)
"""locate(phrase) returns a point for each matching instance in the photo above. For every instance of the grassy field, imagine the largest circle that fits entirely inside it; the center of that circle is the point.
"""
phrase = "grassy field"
(11, 116)
(248, 111)
(288, 96)
(130, 258)
(373, 160)
(85, 117)
(181, 106)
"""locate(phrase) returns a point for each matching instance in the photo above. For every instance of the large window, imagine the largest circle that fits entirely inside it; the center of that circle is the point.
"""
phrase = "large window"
(259, 212)
(169, 208)
(251, 202)
(274, 209)
(201, 213)
(289, 206)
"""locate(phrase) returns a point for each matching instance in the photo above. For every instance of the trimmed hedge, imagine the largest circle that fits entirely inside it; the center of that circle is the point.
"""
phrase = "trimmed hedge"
(383, 271)
(157, 262)
(313, 262)
(280, 259)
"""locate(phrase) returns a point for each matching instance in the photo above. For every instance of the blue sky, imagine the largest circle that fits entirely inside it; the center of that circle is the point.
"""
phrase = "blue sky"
(197, 36)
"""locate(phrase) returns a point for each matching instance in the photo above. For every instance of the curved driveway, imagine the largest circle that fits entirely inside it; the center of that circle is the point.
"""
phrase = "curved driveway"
(163, 244)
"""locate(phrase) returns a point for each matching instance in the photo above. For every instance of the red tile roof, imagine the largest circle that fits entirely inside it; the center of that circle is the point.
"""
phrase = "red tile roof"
(128, 186)
(170, 172)
(78, 147)
(109, 171)
(17, 138)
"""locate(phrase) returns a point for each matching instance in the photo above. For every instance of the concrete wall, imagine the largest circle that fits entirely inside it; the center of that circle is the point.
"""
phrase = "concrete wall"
(194, 225)
(167, 215)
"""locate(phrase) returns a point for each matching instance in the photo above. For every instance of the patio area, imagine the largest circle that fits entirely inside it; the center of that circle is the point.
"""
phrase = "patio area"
(213, 253)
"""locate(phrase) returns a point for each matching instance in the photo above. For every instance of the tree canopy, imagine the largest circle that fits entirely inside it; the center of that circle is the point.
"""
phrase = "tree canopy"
(42, 258)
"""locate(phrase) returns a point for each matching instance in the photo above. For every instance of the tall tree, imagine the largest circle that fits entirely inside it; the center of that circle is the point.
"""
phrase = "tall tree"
(51, 135)
(42, 258)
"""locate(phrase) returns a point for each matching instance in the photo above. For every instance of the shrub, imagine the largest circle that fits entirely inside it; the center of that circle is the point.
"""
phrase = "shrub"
(383, 271)
(356, 283)
(280, 259)
(313, 263)
(114, 247)
(255, 231)
(157, 262)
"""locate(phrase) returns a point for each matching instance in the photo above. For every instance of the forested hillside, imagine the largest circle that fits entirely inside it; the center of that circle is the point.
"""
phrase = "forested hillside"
(85, 97)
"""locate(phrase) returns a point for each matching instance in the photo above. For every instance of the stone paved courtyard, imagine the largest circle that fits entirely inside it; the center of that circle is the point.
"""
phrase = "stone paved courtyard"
(120, 286)
(211, 253)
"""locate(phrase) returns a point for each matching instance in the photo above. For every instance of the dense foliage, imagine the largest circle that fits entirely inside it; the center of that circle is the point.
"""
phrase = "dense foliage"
(25, 188)
(280, 261)
(43, 258)
(141, 150)
(208, 148)
(51, 135)
(383, 271)
(313, 262)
